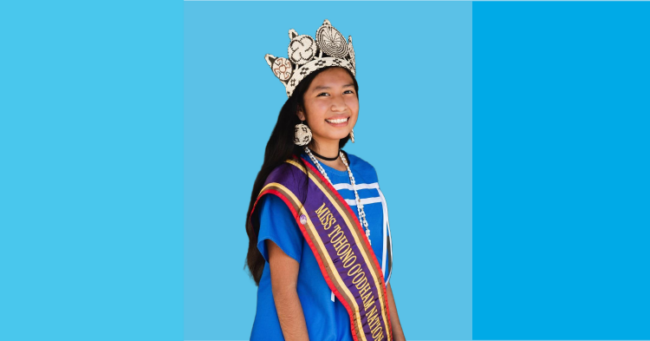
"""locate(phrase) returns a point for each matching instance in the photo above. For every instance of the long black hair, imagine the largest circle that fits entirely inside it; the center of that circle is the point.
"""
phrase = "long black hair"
(280, 148)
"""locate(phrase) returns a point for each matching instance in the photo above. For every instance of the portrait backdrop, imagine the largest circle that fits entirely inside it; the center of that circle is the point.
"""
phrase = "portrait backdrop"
(510, 139)
(414, 72)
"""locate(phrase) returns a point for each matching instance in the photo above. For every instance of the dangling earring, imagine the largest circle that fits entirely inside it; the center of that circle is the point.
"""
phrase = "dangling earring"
(352, 135)
(302, 134)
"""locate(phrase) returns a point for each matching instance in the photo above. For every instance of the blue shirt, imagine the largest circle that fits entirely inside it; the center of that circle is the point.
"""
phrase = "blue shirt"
(326, 320)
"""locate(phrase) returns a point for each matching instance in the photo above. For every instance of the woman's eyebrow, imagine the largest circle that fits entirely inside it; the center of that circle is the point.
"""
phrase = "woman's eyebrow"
(327, 87)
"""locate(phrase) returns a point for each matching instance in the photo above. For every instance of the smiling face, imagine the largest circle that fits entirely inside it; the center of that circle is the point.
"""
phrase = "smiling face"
(332, 105)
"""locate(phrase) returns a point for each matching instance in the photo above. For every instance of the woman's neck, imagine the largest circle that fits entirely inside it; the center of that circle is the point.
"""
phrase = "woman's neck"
(329, 150)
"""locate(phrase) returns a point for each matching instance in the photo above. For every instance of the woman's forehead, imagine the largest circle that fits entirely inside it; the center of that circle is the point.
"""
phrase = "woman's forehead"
(334, 77)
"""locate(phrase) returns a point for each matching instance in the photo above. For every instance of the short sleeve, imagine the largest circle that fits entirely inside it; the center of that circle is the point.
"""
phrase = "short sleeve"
(278, 224)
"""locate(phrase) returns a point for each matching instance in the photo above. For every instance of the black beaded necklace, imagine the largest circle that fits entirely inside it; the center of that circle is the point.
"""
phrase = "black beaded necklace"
(326, 158)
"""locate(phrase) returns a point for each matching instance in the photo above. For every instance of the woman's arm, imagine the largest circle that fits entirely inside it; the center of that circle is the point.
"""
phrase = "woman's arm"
(284, 276)
(398, 333)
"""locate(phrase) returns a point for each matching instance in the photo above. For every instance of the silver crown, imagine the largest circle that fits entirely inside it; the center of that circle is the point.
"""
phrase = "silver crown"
(307, 55)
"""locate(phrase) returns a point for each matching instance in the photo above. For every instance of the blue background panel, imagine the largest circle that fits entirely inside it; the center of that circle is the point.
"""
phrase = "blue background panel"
(560, 177)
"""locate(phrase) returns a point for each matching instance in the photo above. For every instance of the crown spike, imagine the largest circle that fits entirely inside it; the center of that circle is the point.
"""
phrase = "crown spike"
(326, 23)
(270, 59)
(292, 34)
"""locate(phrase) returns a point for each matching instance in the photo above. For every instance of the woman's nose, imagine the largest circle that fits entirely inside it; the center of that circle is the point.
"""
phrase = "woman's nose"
(338, 103)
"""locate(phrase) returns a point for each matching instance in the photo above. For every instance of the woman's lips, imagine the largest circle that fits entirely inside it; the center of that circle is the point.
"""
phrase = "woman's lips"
(338, 122)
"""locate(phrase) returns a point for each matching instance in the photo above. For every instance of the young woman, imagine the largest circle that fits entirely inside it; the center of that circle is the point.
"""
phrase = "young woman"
(319, 244)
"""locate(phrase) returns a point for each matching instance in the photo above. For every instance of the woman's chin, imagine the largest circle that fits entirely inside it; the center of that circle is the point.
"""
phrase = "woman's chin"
(332, 137)
(340, 136)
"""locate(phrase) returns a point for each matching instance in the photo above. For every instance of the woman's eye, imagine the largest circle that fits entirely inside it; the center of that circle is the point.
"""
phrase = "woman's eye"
(325, 93)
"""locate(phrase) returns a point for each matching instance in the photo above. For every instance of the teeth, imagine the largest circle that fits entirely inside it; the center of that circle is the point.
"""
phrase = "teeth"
(340, 120)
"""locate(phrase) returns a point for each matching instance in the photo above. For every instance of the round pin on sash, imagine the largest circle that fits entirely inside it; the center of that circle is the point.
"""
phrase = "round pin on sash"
(303, 219)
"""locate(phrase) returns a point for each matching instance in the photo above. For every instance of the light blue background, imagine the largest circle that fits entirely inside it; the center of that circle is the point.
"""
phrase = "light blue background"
(91, 164)
(414, 73)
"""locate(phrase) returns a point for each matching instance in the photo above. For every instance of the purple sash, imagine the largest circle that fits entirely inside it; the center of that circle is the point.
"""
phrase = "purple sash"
(339, 244)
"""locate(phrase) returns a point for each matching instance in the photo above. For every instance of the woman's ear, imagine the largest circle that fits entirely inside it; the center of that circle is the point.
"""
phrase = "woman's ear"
(301, 114)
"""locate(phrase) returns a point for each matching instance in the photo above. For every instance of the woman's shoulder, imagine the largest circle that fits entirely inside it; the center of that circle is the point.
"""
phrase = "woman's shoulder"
(361, 165)
(272, 206)
(286, 166)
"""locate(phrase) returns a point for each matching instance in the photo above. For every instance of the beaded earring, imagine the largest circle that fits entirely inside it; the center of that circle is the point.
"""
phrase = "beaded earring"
(302, 135)
(352, 135)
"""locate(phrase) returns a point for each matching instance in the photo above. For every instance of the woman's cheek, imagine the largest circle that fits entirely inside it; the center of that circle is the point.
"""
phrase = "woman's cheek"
(321, 110)
(353, 104)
